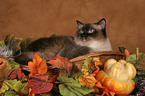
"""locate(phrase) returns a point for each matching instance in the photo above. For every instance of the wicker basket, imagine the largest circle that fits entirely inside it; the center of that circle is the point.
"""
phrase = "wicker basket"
(104, 55)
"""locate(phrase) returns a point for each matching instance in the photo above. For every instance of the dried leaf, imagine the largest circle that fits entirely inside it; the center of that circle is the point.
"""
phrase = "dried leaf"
(19, 87)
(38, 65)
(127, 53)
(54, 78)
(97, 62)
(99, 88)
(89, 80)
(11, 93)
(7, 84)
(13, 42)
(99, 85)
(39, 84)
(13, 64)
(5, 71)
(17, 74)
(131, 58)
(61, 63)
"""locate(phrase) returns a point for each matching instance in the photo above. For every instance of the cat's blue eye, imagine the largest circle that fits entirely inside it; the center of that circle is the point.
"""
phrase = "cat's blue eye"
(91, 31)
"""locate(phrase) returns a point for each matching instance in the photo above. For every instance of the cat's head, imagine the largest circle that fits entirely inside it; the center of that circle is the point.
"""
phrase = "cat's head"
(91, 31)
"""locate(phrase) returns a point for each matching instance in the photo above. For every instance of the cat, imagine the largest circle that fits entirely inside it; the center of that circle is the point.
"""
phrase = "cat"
(90, 37)
(93, 35)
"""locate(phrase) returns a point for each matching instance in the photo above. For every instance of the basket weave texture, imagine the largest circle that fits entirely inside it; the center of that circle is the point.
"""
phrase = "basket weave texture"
(104, 56)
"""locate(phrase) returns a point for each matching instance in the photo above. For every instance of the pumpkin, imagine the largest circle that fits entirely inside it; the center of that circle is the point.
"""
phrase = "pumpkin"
(117, 76)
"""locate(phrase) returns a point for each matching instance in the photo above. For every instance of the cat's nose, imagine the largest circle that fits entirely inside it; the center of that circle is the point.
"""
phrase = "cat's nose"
(84, 38)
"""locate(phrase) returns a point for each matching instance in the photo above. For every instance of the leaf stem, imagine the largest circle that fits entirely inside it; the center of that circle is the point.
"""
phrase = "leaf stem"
(137, 51)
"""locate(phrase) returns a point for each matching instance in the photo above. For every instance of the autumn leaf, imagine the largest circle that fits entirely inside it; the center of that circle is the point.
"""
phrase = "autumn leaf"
(108, 93)
(85, 66)
(69, 81)
(99, 85)
(7, 84)
(17, 74)
(13, 42)
(13, 64)
(67, 90)
(61, 63)
(54, 78)
(1, 62)
(38, 65)
(11, 93)
(97, 62)
(88, 80)
(5, 71)
(71, 87)
(127, 53)
(39, 84)
(19, 87)
(99, 88)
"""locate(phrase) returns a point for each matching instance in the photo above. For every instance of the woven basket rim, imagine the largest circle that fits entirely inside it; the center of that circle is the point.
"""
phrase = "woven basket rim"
(79, 58)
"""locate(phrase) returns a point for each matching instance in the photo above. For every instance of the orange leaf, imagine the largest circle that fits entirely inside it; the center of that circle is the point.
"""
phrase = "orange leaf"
(126, 53)
(105, 93)
(97, 61)
(1, 61)
(112, 93)
(30, 92)
(99, 85)
(89, 80)
(61, 63)
(96, 71)
(38, 65)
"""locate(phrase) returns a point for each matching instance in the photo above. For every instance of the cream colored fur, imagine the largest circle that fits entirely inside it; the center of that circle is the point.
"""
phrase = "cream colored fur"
(96, 45)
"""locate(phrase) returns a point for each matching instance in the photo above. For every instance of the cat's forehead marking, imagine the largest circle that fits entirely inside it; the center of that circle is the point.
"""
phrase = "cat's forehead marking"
(99, 27)
(84, 26)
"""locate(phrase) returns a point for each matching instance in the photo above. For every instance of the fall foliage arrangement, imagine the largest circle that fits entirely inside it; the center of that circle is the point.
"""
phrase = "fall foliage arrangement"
(61, 77)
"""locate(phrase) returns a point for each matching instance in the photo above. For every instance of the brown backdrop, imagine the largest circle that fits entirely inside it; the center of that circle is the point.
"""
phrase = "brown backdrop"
(39, 18)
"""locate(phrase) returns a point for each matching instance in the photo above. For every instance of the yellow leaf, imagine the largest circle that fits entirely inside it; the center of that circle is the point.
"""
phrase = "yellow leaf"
(89, 80)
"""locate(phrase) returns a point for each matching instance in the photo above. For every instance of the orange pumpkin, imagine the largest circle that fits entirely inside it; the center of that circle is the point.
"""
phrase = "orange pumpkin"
(117, 76)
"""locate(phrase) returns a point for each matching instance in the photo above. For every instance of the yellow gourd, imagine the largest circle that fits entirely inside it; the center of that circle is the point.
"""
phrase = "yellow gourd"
(117, 76)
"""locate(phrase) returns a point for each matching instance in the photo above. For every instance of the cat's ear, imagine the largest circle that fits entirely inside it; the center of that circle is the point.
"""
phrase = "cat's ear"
(102, 23)
(79, 23)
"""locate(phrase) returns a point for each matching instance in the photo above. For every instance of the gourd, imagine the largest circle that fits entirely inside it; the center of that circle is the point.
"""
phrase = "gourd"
(117, 76)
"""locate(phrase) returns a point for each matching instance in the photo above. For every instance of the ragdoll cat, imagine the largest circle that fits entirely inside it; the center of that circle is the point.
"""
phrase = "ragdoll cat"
(90, 37)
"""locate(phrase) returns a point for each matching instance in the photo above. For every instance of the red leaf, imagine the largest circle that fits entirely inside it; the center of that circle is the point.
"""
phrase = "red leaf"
(38, 84)
(54, 58)
(17, 74)
(61, 63)
(54, 78)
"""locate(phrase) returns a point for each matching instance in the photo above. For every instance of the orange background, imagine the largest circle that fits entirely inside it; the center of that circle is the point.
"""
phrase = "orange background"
(41, 18)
